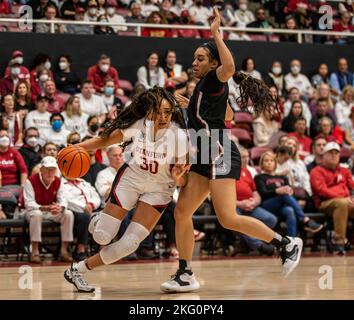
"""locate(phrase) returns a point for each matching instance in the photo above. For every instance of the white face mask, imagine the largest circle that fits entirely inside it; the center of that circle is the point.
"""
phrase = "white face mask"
(276, 70)
(295, 69)
(19, 60)
(111, 11)
(48, 65)
(62, 65)
(15, 71)
(104, 67)
(93, 11)
(4, 141)
(43, 77)
(32, 142)
(243, 6)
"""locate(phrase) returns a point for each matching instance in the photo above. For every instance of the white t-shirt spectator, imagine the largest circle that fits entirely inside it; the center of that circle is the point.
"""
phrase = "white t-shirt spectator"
(306, 113)
(200, 14)
(104, 180)
(157, 78)
(92, 107)
(59, 138)
(39, 120)
(76, 123)
(300, 81)
(342, 110)
(117, 19)
(147, 9)
(243, 17)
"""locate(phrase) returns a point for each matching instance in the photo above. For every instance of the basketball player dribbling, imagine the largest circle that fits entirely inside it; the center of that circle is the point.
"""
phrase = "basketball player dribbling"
(153, 123)
(213, 65)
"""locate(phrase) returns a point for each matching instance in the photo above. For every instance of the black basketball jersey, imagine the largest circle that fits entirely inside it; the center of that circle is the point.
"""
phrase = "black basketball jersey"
(207, 106)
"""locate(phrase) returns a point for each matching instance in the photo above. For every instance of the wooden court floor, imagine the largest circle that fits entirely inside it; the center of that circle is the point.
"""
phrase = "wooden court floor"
(326, 277)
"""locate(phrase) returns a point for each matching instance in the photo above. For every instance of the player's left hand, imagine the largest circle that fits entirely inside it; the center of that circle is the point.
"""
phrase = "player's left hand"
(179, 170)
(215, 25)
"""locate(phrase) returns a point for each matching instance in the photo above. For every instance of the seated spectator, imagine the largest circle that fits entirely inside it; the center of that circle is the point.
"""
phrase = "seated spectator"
(48, 150)
(332, 186)
(294, 95)
(91, 13)
(173, 71)
(156, 18)
(301, 136)
(103, 29)
(344, 25)
(295, 79)
(321, 77)
(137, 89)
(242, 14)
(344, 106)
(82, 199)
(151, 74)
(327, 131)
(91, 104)
(93, 126)
(39, 118)
(290, 24)
(199, 13)
(315, 159)
(73, 138)
(44, 199)
(342, 77)
(102, 71)
(78, 28)
(135, 15)
(75, 120)
(277, 197)
(113, 104)
(50, 13)
(68, 9)
(17, 57)
(276, 77)
(248, 203)
(13, 171)
(30, 149)
(37, 86)
(265, 130)
(101, 7)
(239, 35)
(66, 80)
(38, 8)
(186, 19)
(8, 83)
(22, 97)
(248, 67)
(165, 10)
(15, 119)
(41, 61)
(261, 20)
(57, 133)
(148, 7)
(56, 100)
(114, 17)
(106, 177)
(179, 6)
(349, 131)
(245, 157)
(283, 154)
(295, 113)
(322, 110)
(323, 91)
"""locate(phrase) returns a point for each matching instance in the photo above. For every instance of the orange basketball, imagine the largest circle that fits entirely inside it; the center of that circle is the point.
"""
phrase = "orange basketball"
(73, 162)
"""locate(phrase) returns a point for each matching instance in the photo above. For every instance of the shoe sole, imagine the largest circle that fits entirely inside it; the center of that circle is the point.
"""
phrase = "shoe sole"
(313, 230)
(182, 289)
(299, 242)
(70, 280)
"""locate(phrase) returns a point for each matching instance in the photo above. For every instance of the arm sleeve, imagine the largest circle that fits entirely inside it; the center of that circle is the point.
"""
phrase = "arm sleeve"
(29, 197)
(21, 165)
(102, 184)
(93, 196)
(333, 81)
(142, 77)
(61, 198)
(211, 83)
(161, 78)
(264, 191)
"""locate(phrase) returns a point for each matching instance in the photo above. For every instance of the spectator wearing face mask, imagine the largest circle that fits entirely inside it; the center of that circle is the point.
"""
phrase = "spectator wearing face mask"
(103, 29)
(242, 14)
(37, 86)
(66, 80)
(91, 13)
(30, 149)
(41, 61)
(275, 77)
(76, 28)
(102, 71)
(57, 133)
(91, 104)
(17, 57)
(75, 119)
(73, 138)
(114, 17)
(8, 83)
(295, 79)
(113, 104)
(93, 126)
(186, 19)
(199, 13)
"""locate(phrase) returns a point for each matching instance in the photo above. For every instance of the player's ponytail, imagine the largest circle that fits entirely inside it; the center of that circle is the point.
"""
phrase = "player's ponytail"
(254, 94)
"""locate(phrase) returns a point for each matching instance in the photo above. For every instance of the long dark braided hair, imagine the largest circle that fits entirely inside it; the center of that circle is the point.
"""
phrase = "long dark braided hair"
(144, 104)
(254, 93)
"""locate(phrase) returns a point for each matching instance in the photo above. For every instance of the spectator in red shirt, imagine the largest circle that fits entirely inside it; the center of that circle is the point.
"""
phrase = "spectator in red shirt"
(329, 133)
(8, 83)
(102, 71)
(56, 101)
(186, 19)
(41, 61)
(5, 7)
(17, 56)
(344, 25)
(332, 187)
(12, 166)
(248, 201)
(300, 134)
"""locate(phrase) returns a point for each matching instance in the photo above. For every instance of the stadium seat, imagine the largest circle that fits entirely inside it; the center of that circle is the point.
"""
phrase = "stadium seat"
(126, 86)
(243, 120)
(345, 154)
(257, 152)
(243, 136)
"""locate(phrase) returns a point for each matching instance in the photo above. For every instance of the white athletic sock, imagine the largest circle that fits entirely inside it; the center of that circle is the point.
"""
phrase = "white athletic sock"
(81, 266)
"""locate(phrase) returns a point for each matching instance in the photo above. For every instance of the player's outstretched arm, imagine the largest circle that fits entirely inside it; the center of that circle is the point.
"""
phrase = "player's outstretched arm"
(102, 142)
(227, 68)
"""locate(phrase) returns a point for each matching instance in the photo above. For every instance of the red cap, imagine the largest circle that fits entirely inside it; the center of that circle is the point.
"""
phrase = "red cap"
(79, 10)
(185, 13)
(16, 54)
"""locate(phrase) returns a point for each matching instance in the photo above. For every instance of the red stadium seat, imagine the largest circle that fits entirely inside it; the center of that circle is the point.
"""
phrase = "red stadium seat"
(243, 120)
(257, 152)
(243, 136)
(125, 85)
(345, 154)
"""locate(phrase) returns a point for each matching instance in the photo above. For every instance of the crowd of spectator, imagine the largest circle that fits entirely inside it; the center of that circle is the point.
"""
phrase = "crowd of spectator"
(285, 14)
(48, 107)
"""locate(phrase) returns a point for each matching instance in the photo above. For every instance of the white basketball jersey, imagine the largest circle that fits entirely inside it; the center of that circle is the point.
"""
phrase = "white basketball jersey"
(153, 157)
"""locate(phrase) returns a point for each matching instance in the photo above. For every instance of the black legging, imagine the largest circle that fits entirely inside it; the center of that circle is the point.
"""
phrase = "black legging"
(81, 223)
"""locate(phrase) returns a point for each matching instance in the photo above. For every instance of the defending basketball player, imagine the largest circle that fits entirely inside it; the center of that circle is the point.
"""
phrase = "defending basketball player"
(152, 124)
(213, 65)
